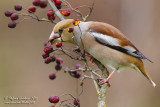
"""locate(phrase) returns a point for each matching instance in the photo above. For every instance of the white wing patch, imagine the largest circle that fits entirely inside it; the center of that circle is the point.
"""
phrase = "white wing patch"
(106, 39)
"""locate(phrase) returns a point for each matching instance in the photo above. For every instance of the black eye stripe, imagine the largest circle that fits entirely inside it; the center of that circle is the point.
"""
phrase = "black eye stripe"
(60, 31)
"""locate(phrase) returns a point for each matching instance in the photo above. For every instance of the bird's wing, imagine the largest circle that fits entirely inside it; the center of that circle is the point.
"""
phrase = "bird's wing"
(108, 35)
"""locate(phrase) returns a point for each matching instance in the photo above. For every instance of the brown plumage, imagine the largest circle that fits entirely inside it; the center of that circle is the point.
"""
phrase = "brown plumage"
(105, 43)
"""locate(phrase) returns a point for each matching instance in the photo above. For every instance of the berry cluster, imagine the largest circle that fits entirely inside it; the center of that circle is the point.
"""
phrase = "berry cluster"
(48, 58)
(15, 15)
(32, 9)
(55, 99)
(76, 73)
(51, 58)
(51, 15)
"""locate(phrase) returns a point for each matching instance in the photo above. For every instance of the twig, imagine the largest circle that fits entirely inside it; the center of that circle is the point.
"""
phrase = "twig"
(77, 58)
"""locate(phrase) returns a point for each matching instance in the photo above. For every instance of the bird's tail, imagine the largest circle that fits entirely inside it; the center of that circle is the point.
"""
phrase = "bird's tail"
(142, 70)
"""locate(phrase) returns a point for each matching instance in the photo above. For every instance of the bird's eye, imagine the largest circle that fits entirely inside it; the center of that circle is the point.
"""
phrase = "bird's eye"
(60, 31)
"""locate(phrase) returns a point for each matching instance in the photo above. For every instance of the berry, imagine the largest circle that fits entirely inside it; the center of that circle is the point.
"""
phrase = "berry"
(76, 101)
(11, 24)
(31, 9)
(8, 13)
(51, 18)
(54, 99)
(45, 55)
(50, 100)
(77, 74)
(71, 29)
(48, 49)
(36, 2)
(58, 67)
(59, 61)
(43, 4)
(52, 106)
(53, 58)
(59, 44)
(14, 16)
(18, 7)
(52, 76)
(78, 65)
(65, 12)
(57, 2)
(50, 13)
(47, 60)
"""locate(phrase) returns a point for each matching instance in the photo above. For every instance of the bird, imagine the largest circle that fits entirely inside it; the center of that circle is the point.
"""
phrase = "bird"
(104, 42)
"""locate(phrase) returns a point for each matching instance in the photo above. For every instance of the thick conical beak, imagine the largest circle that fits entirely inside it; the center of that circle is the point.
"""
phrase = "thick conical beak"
(54, 38)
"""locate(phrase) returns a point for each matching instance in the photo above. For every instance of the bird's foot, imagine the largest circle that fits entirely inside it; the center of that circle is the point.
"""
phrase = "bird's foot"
(104, 80)
(91, 57)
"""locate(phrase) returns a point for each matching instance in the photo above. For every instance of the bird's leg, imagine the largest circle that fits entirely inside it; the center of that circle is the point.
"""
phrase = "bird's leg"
(91, 57)
(104, 80)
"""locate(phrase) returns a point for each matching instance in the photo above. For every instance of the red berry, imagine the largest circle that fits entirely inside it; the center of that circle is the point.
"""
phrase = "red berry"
(59, 61)
(77, 74)
(47, 60)
(65, 12)
(11, 24)
(58, 67)
(78, 65)
(45, 55)
(53, 58)
(48, 49)
(58, 2)
(59, 44)
(36, 2)
(14, 16)
(31, 9)
(18, 7)
(76, 101)
(52, 76)
(51, 18)
(50, 13)
(54, 99)
(43, 4)
(8, 13)
(71, 29)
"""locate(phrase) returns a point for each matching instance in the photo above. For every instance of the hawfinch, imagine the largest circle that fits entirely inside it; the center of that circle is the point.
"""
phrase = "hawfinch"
(104, 42)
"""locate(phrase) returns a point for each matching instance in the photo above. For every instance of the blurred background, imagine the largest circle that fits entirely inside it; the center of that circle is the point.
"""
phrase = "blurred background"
(24, 74)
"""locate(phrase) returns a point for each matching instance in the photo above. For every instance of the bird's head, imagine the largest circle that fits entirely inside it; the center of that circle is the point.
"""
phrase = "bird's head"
(60, 32)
